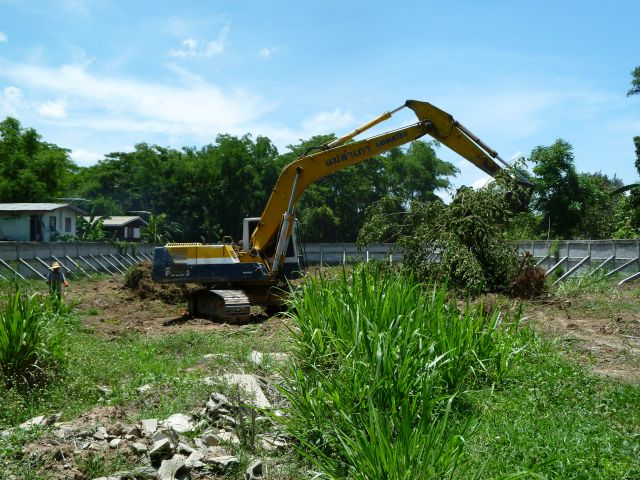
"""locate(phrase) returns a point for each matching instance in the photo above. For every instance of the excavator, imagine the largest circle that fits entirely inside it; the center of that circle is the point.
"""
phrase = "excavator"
(234, 276)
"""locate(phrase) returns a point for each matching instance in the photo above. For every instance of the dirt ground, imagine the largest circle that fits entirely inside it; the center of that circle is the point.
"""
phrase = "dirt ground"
(110, 308)
(603, 331)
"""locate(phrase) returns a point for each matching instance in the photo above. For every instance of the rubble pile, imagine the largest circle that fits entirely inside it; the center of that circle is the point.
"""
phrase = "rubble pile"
(182, 446)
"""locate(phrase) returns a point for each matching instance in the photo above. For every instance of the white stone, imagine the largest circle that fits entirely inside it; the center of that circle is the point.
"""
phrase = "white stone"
(161, 446)
(149, 426)
(143, 388)
(194, 460)
(115, 443)
(259, 357)
(223, 462)
(180, 422)
(250, 384)
(170, 469)
(139, 447)
(39, 421)
(254, 472)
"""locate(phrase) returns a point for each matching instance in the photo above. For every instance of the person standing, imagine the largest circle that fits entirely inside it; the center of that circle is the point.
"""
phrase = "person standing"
(56, 279)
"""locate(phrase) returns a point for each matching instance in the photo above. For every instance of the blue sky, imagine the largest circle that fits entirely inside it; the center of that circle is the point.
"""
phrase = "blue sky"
(97, 76)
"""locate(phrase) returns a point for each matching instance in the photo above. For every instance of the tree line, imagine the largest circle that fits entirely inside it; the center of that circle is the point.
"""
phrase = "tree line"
(207, 191)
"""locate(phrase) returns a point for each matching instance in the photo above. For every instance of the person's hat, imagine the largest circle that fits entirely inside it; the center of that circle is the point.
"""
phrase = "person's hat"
(55, 266)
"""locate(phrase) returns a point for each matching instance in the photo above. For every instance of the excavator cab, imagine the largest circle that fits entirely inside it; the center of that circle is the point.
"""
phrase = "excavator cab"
(294, 261)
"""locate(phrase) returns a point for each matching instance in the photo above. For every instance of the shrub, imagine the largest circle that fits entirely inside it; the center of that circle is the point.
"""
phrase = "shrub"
(466, 244)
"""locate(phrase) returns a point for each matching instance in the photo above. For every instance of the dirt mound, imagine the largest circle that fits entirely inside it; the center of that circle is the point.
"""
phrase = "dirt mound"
(138, 279)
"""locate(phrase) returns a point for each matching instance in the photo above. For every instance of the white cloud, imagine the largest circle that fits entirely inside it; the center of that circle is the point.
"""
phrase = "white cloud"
(85, 158)
(3, 37)
(328, 122)
(192, 107)
(192, 47)
(54, 109)
(267, 52)
(10, 101)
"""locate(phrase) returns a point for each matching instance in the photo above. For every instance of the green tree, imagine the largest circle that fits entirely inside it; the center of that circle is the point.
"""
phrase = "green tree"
(31, 170)
(557, 194)
(635, 82)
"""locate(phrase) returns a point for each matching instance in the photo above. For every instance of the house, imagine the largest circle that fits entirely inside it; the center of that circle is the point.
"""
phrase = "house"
(122, 227)
(38, 222)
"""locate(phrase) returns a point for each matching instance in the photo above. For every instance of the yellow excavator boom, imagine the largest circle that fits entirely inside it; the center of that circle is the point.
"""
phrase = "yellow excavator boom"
(336, 155)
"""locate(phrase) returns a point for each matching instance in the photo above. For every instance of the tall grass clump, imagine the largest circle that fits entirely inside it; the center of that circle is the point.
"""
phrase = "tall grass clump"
(31, 332)
(378, 365)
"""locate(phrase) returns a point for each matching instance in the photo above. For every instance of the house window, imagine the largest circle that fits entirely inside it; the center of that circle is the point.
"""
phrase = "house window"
(67, 225)
(52, 224)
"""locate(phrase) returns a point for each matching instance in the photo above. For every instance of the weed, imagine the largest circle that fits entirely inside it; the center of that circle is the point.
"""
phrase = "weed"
(378, 364)
(30, 338)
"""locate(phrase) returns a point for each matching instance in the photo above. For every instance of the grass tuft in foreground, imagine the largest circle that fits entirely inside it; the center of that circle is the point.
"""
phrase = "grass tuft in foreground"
(378, 364)
(32, 327)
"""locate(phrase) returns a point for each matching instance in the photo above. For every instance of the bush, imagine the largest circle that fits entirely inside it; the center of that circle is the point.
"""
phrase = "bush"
(466, 244)
(30, 338)
(377, 365)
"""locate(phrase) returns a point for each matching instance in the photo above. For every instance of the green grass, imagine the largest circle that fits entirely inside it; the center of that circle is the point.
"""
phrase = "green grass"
(379, 364)
(389, 381)
(555, 420)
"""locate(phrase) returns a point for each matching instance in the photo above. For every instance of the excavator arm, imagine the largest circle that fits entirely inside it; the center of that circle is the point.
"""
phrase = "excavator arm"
(336, 155)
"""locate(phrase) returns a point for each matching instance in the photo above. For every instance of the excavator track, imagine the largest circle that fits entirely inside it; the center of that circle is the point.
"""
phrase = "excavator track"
(228, 306)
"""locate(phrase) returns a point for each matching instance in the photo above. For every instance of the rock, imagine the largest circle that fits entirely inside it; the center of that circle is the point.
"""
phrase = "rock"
(254, 472)
(104, 390)
(139, 447)
(217, 451)
(39, 421)
(149, 426)
(132, 430)
(173, 469)
(115, 430)
(259, 358)
(144, 388)
(228, 437)
(216, 402)
(64, 430)
(51, 419)
(100, 434)
(179, 422)
(194, 460)
(167, 433)
(184, 448)
(209, 439)
(140, 473)
(98, 446)
(161, 447)
(249, 383)
(115, 443)
(271, 444)
(226, 421)
(222, 463)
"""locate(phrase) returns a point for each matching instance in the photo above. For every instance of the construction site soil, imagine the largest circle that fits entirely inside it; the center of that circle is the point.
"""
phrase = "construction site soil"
(605, 335)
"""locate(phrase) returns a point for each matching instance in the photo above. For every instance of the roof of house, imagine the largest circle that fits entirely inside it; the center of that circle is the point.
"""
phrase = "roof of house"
(38, 207)
(117, 220)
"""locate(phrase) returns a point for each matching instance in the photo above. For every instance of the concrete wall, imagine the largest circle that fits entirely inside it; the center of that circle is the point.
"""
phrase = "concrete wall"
(90, 256)
(575, 250)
